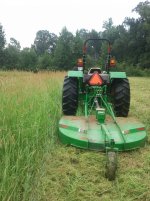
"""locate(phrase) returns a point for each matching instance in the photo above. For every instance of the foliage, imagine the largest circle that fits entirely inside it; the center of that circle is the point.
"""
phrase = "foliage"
(139, 36)
(12, 55)
(130, 42)
(44, 42)
(2, 45)
(132, 70)
(14, 43)
(45, 61)
(2, 38)
(28, 59)
(64, 50)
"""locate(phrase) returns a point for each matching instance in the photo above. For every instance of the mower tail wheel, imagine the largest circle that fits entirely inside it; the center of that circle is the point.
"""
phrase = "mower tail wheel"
(111, 165)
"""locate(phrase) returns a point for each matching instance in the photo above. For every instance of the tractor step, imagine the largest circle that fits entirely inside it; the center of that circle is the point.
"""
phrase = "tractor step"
(88, 133)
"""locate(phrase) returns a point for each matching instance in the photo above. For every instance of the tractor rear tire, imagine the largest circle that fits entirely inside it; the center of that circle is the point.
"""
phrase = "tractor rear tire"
(121, 97)
(70, 96)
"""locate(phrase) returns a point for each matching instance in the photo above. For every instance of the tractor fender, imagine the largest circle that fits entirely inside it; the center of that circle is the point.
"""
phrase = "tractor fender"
(74, 73)
(120, 75)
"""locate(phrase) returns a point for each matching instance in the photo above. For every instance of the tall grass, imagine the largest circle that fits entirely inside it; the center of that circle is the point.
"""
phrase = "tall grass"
(29, 108)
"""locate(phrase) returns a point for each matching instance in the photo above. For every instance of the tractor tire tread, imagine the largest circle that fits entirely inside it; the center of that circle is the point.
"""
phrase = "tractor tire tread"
(70, 96)
(121, 97)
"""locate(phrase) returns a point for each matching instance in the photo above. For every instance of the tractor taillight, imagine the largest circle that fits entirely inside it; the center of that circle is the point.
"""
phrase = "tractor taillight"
(112, 62)
(95, 80)
(80, 62)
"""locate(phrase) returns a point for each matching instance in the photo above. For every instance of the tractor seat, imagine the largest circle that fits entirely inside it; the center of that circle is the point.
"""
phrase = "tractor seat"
(94, 70)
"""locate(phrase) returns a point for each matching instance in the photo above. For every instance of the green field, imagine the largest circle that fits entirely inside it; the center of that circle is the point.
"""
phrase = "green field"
(35, 166)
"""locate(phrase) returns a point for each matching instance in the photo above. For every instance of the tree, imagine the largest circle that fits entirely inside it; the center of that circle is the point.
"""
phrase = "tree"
(12, 57)
(63, 56)
(2, 45)
(14, 43)
(12, 54)
(28, 59)
(143, 9)
(120, 45)
(2, 38)
(45, 42)
(45, 61)
(94, 47)
(77, 48)
(138, 34)
(110, 31)
(83, 34)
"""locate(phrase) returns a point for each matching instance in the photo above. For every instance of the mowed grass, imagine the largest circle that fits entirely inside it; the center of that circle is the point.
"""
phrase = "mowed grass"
(35, 166)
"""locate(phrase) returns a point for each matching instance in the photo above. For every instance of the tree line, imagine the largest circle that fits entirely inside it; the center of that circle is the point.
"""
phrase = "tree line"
(130, 42)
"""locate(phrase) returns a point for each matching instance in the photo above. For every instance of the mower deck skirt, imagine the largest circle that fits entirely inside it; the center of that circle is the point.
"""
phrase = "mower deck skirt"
(87, 133)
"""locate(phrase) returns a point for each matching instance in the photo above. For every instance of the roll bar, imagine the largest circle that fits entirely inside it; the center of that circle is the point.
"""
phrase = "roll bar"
(97, 39)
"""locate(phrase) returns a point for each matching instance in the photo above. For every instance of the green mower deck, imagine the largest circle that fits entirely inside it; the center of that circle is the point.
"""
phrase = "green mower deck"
(88, 133)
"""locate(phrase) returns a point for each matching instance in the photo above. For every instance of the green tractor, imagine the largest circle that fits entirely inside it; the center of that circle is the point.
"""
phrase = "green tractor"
(103, 124)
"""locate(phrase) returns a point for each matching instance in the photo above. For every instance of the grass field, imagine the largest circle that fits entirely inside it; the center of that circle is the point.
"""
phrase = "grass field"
(35, 166)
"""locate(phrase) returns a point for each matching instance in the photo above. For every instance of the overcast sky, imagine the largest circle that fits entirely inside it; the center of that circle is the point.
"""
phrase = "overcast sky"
(21, 19)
